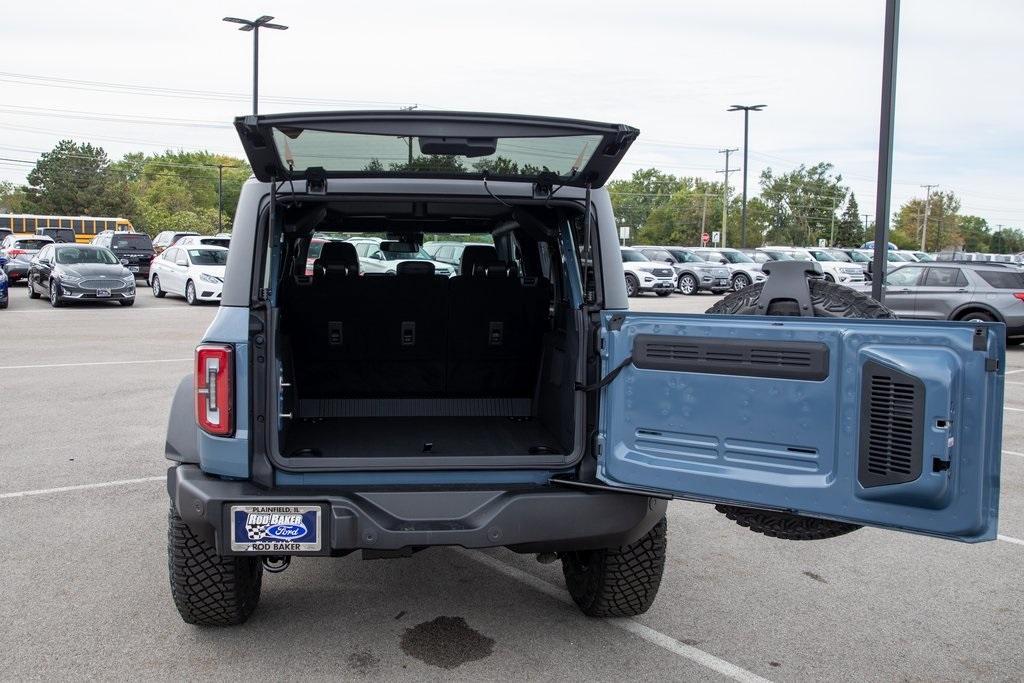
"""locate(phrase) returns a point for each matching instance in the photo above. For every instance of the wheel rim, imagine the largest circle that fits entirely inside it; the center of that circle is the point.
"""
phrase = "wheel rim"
(156, 286)
(53, 293)
(829, 278)
(630, 286)
(686, 284)
(190, 293)
(741, 282)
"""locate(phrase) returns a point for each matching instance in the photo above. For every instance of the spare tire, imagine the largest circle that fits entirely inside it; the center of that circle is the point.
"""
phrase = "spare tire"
(828, 300)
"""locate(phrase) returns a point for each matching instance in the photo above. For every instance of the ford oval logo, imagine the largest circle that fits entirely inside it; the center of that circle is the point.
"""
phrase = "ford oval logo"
(286, 531)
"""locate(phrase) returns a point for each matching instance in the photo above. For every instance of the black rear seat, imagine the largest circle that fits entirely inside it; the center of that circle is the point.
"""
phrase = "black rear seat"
(490, 350)
(408, 337)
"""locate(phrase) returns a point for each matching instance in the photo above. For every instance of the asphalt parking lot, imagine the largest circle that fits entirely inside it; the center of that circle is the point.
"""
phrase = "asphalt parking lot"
(85, 394)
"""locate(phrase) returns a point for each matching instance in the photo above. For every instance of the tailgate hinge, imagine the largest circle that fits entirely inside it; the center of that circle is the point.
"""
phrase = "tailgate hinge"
(991, 365)
(316, 180)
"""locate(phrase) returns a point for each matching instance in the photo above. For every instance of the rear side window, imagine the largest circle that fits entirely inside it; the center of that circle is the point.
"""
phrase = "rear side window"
(1002, 279)
(131, 241)
(31, 244)
(945, 277)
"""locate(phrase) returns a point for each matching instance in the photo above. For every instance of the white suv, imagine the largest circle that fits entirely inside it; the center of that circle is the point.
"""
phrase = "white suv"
(743, 270)
(644, 275)
(834, 270)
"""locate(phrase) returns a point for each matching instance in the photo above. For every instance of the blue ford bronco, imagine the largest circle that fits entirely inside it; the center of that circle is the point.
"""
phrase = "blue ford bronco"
(520, 403)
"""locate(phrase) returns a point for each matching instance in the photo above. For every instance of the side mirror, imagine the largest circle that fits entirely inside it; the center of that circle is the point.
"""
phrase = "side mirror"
(723, 261)
(181, 262)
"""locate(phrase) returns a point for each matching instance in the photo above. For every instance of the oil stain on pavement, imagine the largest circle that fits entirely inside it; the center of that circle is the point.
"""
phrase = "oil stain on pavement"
(446, 642)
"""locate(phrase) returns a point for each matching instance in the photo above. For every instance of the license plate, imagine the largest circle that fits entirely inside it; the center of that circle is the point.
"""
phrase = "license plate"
(275, 529)
(102, 293)
(133, 269)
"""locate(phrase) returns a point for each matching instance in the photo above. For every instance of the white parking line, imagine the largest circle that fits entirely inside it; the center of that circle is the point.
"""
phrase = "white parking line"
(1013, 372)
(105, 362)
(1010, 539)
(1013, 453)
(80, 487)
(1016, 410)
(658, 638)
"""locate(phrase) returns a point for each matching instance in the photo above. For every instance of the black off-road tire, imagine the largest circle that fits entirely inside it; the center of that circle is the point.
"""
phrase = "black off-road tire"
(784, 525)
(617, 582)
(209, 589)
(828, 300)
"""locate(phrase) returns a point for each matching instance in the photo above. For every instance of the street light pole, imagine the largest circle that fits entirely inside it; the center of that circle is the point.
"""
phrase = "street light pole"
(220, 197)
(746, 109)
(885, 137)
(255, 25)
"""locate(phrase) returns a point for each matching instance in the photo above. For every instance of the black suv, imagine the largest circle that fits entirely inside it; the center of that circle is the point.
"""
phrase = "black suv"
(133, 249)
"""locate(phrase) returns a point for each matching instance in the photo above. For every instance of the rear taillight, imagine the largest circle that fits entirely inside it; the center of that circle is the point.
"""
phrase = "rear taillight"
(11, 253)
(1019, 295)
(214, 382)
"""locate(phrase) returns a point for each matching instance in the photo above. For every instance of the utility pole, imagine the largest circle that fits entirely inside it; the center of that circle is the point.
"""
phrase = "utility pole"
(703, 213)
(255, 25)
(832, 229)
(725, 192)
(220, 197)
(409, 139)
(866, 217)
(746, 109)
(927, 202)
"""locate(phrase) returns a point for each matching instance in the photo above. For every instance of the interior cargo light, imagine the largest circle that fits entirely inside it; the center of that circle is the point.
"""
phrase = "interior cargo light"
(214, 383)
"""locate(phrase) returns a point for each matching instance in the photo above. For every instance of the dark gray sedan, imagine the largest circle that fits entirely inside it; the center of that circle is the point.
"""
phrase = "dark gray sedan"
(958, 291)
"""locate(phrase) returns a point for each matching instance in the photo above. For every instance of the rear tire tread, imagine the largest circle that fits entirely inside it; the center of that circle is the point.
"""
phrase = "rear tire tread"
(209, 589)
(617, 582)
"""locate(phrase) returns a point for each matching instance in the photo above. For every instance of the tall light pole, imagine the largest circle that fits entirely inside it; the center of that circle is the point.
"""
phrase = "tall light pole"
(746, 109)
(255, 25)
(890, 51)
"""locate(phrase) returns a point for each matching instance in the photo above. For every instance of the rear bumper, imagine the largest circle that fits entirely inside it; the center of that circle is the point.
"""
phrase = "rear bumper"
(526, 520)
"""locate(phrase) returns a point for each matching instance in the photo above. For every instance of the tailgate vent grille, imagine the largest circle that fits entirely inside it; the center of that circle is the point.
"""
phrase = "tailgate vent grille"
(891, 426)
(749, 358)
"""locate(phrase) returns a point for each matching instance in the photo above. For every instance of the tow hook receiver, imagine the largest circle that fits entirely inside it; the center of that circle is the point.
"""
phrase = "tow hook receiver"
(275, 564)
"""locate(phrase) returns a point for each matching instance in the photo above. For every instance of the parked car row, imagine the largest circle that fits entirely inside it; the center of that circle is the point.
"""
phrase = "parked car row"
(107, 268)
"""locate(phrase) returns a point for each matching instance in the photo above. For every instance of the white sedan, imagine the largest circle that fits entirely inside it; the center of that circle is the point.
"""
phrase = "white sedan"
(195, 272)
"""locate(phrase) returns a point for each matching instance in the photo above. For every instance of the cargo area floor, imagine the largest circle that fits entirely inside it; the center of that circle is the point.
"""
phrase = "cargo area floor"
(408, 436)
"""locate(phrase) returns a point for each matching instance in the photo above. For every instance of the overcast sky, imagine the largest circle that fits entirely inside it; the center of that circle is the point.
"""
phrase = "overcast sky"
(668, 68)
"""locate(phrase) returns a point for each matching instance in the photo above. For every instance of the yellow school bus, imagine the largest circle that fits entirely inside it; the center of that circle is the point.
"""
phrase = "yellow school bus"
(85, 227)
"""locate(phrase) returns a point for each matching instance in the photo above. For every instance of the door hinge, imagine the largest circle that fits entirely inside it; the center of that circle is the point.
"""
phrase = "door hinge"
(263, 294)
(316, 180)
(991, 365)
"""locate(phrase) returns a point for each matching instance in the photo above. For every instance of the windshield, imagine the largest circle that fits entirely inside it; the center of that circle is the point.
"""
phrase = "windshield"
(76, 255)
(822, 256)
(893, 256)
(633, 256)
(684, 256)
(800, 256)
(360, 152)
(859, 257)
(779, 255)
(736, 257)
(921, 256)
(840, 256)
(208, 257)
(131, 241)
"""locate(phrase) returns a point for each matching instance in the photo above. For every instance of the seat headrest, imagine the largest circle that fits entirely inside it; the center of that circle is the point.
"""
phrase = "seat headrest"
(336, 259)
(494, 269)
(474, 255)
(414, 268)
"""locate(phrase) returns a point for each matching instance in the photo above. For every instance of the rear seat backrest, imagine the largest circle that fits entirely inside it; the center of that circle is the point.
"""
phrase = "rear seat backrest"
(475, 254)
(490, 340)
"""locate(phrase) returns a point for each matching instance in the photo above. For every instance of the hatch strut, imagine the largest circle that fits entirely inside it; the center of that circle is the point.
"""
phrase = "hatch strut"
(587, 250)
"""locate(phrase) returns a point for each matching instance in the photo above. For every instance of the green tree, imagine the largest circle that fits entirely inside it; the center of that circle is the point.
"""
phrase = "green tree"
(180, 190)
(13, 198)
(678, 220)
(974, 233)
(633, 200)
(942, 232)
(1007, 241)
(802, 203)
(849, 229)
(77, 179)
